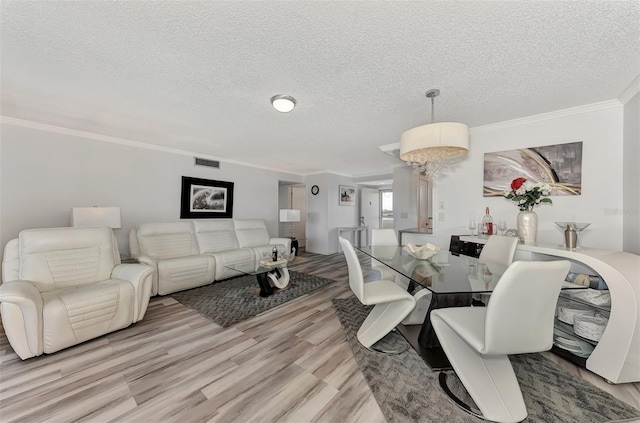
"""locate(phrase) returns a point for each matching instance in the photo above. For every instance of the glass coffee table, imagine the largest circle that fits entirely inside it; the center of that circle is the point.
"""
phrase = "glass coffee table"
(267, 272)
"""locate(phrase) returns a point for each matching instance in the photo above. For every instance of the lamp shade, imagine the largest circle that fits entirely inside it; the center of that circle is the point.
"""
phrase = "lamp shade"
(289, 215)
(434, 142)
(96, 216)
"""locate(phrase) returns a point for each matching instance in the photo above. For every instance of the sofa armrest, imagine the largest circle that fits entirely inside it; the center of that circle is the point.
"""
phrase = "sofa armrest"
(144, 259)
(21, 305)
(141, 277)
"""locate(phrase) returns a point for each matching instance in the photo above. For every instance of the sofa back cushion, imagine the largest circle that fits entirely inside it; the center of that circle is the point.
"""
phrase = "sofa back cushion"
(215, 235)
(251, 232)
(58, 258)
(162, 241)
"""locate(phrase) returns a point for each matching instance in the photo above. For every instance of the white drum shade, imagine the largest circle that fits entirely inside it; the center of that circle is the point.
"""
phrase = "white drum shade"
(96, 216)
(434, 142)
(289, 215)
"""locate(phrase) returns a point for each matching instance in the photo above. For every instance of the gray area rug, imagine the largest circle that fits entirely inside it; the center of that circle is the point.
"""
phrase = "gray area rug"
(232, 300)
(407, 390)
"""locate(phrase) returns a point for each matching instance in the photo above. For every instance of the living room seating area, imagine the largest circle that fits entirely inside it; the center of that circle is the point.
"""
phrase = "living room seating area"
(188, 254)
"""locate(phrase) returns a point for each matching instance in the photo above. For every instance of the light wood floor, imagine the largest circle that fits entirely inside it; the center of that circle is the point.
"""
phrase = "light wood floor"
(290, 364)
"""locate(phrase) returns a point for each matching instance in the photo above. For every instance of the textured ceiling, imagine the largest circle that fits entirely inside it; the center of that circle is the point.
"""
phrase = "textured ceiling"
(198, 75)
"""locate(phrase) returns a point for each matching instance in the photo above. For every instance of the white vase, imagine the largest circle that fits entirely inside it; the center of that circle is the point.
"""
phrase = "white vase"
(527, 226)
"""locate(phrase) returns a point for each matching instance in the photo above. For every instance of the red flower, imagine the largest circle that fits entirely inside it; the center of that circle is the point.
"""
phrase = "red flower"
(517, 183)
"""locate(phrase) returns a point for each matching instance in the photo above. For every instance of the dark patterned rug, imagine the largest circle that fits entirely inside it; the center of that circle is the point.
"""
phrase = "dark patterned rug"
(232, 300)
(407, 390)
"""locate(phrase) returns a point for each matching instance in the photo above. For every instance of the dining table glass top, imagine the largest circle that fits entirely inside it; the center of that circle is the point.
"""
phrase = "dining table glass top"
(443, 273)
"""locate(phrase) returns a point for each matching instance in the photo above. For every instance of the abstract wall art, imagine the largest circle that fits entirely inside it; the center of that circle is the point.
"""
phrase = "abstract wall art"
(558, 165)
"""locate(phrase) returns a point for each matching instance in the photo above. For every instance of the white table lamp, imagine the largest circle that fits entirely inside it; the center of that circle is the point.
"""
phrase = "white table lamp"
(289, 217)
(96, 216)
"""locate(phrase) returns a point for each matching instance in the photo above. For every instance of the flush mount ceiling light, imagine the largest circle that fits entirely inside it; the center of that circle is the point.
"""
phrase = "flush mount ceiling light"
(429, 148)
(283, 103)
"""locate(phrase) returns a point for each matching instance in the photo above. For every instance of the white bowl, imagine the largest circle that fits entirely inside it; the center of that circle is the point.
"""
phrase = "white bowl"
(422, 252)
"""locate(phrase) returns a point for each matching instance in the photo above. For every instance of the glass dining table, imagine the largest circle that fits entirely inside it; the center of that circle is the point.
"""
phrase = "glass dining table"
(452, 280)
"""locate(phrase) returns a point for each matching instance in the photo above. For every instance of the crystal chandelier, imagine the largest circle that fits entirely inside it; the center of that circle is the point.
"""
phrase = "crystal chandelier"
(430, 148)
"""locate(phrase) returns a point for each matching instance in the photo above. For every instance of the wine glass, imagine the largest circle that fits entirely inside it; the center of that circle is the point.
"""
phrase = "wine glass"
(502, 226)
(472, 225)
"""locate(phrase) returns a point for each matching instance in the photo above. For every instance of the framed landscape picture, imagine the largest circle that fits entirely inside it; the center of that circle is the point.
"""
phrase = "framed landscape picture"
(206, 199)
(347, 195)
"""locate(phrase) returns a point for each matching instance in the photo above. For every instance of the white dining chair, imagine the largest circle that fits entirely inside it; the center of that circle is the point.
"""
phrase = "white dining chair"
(391, 302)
(380, 237)
(499, 249)
(477, 340)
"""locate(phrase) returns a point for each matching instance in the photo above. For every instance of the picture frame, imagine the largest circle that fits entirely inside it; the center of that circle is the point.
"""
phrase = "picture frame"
(559, 165)
(346, 195)
(206, 199)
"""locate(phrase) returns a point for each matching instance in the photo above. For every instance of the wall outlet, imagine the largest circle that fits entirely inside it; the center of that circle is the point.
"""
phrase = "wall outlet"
(440, 217)
(404, 215)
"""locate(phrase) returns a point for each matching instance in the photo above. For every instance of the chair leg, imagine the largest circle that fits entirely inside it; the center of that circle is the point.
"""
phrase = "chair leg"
(490, 380)
(382, 319)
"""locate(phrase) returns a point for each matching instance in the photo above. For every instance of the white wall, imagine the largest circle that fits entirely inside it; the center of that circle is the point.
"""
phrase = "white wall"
(43, 174)
(598, 126)
(631, 176)
(324, 215)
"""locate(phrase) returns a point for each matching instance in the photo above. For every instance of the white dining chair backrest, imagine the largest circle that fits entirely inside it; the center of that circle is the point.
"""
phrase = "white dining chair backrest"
(519, 318)
(383, 237)
(356, 279)
(499, 249)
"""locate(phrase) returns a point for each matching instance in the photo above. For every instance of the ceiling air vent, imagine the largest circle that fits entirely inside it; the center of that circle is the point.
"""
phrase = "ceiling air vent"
(207, 162)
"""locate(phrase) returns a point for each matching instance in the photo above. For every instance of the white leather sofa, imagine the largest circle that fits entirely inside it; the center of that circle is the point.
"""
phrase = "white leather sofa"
(188, 254)
(64, 286)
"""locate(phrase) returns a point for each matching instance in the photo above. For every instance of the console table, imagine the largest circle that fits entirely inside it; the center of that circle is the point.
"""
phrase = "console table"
(616, 357)
(357, 231)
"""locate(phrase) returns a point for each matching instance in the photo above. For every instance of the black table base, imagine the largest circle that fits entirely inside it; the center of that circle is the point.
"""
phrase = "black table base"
(263, 280)
(428, 337)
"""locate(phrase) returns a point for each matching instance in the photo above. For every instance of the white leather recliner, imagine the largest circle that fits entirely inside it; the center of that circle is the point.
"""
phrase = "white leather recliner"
(64, 286)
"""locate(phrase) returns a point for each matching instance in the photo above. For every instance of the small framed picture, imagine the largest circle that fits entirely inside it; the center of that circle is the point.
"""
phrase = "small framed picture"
(347, 195)
(206, 199)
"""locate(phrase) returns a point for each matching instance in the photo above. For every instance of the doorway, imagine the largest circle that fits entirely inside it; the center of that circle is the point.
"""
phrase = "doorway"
(386, 209)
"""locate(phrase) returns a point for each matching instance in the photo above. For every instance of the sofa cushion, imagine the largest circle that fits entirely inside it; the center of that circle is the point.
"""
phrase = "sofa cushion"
(185, 273)
(215, 235)
(167, 240)
(251, 232)
(231, 257)
(71, 316)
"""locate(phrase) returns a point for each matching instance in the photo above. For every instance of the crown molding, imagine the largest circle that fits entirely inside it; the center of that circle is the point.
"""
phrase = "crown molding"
(588, 108)
(394, 149)
(630, 91)
(5, 120)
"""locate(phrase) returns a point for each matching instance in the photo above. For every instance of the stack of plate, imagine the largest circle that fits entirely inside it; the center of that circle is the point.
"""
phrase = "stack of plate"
(590, 327)
(566, 312)
(575, 346)
(597, 297)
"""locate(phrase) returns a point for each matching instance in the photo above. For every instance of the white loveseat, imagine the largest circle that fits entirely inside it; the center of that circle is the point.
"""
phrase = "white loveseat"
(188, 254)
(64, 286)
